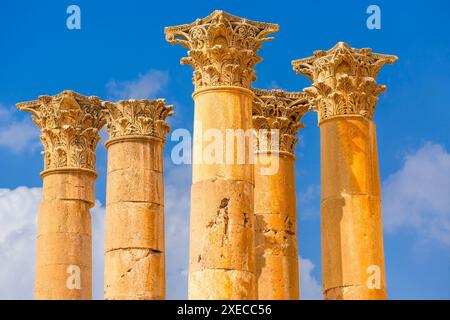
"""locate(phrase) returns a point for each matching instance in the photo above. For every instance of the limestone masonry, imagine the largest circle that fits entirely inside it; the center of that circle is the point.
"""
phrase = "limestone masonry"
(344, 94)
(134, 228)
(222, 51)
(243, 219)
(275, 203)
(69, 124)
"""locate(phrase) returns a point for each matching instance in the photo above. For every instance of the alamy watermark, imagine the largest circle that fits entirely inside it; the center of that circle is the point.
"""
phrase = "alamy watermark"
(374, 20)
(73, 281)
(230, 147)
(374, 279)
(73, 21)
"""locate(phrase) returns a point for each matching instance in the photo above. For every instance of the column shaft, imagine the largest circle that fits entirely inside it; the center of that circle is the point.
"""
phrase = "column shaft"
(276, 230)
(345, 93)
(63, 253)
(276, 119)
(352, 237)
(222, 51)
(134, 227)
(134, 240)
(222, 252)
(69, 123)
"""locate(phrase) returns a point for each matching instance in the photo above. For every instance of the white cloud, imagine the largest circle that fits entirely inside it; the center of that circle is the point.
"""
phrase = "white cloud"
(275, 85)
(17, 134)
(308, 203)
(5, 114)
(98, 240)
(312, 193)
(310, 289)
(177, 210)
(418, 195)
(146, 86)
(18, 215)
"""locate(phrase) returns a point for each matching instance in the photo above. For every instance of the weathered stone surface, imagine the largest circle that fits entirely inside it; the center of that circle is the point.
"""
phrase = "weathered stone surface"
(222, 48)
(134, 228)
(69, 184)
(351, 142)
(223, 231)
(281, 111)
(222, 216)
(75, 252)
(277, 114)
(276, 230)
(222, 109)
(355, 292)
(345, 94)
(223, 51)
(231, 285)
(147, 150)
(64, 237)
(141, 118)
(277, 277)
(344, 80)
(351, 208)
(70, 124)
(56, 288)
(135, 184)
(351, 240)
(134, 274)
(69, 216)
(275, 193)
(276, 235)
(134, 225)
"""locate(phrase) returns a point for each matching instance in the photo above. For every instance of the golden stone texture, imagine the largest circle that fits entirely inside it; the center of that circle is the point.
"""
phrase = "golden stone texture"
(222, 48)
(69, 124)
(275, 204)
(344, 94)
(222, 51)
(222, 221)
(134, 228)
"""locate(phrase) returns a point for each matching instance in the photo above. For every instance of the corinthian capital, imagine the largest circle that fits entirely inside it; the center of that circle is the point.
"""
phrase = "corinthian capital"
(343, 80)
(222, 48)
(69, 123)
(137, 118)
(281, 111)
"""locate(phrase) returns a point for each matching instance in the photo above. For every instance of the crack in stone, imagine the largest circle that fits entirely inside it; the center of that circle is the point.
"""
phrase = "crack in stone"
(343, 287)
(224, 203)
(222, 216)
(154, 251)
(136, 261)
(246, 220)
(275, 231)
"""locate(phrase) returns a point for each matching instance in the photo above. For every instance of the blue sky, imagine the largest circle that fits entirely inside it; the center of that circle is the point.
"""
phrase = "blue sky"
(120, 52)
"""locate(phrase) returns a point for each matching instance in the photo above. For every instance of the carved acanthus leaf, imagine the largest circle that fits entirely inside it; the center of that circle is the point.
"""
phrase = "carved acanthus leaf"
(343, 80)
(69, 123)
(222, 48)
(281, 111)
(137, 118)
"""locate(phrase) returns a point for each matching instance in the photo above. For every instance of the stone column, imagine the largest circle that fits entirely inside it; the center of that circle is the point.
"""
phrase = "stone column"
(344, 94)
(222, 51)
(276, 118)
(134, 228)
(69, 123)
